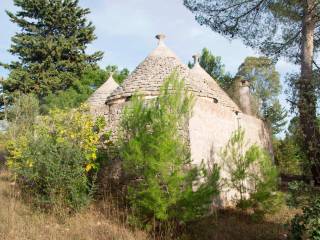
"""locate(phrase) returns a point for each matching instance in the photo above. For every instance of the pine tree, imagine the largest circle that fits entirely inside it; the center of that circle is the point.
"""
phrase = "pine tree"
(287, 28)
(156, 159)
(50, 46)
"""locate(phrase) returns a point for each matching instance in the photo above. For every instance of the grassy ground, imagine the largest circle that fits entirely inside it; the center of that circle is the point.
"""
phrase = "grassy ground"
(235, 225)
(102, 222)
(20, 222)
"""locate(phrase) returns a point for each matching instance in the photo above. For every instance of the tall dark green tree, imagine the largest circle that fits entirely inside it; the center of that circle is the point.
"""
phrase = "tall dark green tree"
(50, 46)
(215, 68)
(287, 28)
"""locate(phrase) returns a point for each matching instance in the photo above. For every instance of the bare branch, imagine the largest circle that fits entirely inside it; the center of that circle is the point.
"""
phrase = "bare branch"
(316, 65)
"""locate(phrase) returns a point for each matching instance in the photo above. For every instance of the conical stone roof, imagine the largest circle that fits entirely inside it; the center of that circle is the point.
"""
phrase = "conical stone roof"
(99, 96)
(220, 94)
(148, 77)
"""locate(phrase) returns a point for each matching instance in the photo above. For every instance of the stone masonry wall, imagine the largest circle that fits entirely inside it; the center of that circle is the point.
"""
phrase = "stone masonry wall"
(210, 129)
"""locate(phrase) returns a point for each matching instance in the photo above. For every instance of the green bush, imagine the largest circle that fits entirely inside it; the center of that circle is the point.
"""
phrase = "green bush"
(299, 194)
(289, 156)
(307, 224)
(52, 159)
(156, 159)
(289, 153)
(252, 174)
(22, 114)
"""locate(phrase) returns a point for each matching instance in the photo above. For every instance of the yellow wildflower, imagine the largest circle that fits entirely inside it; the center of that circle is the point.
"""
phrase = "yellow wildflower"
(89, 167)
(29, 163)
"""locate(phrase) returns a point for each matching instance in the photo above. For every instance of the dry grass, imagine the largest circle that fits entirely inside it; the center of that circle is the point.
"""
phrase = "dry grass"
(101, 221)
(231, 224)
(20, 222)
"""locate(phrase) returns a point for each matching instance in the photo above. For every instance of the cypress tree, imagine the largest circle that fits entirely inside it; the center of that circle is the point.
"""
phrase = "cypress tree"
(50, 46)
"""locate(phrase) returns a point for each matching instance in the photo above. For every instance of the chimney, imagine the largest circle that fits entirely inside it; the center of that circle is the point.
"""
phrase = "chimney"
(244, 96)
(196, 58)
(161, 38)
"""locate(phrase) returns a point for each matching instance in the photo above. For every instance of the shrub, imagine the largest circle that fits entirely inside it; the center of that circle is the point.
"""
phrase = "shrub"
(22, 114)
(252, 175)
(53, 158)
(307, 224)
(156, 159)
(299, 194)
(289, 156)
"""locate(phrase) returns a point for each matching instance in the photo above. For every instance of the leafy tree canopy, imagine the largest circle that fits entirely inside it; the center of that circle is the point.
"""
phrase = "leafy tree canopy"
(263, 77)
(118, 75)
(80, 91)
(215, 68)
(272, 26)
(287, 28)
(265, 88)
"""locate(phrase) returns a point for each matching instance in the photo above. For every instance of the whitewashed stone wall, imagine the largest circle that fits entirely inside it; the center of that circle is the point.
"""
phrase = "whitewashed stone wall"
(210, 129)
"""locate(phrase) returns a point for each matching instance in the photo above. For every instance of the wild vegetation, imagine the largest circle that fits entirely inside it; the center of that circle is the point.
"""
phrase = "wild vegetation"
(252, 174)
(157, 160)
(37, 154)
(54, 151)
(80, 91)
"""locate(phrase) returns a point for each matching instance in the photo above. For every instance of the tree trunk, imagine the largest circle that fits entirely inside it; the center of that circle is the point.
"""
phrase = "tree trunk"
(307, 97)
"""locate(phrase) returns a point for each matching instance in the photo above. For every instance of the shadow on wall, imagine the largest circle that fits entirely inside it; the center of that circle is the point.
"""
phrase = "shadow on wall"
(264, 135)
(211, 164)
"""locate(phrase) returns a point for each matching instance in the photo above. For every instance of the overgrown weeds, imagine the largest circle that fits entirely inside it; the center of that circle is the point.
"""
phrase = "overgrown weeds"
(20, 221)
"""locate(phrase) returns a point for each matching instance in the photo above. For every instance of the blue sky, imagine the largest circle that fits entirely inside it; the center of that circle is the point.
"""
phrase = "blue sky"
(126, 30)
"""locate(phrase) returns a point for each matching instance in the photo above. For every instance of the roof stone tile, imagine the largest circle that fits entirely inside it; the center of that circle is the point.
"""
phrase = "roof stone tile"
(99, 96)
(149, 75)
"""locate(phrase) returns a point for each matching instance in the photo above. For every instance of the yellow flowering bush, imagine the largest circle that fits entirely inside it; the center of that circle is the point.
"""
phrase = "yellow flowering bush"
(54, 159)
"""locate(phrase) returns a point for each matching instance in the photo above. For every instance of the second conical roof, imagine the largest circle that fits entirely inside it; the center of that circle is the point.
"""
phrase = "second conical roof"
(219, 93)
(100, 95)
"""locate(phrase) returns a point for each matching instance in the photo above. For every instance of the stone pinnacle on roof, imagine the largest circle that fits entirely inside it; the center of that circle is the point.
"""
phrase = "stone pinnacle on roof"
(162, 50)
(161, 38)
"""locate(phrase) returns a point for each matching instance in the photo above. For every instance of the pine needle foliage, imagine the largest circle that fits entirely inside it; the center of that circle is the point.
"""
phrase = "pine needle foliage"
(156, 159)
(50, 47)
(252, 174)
